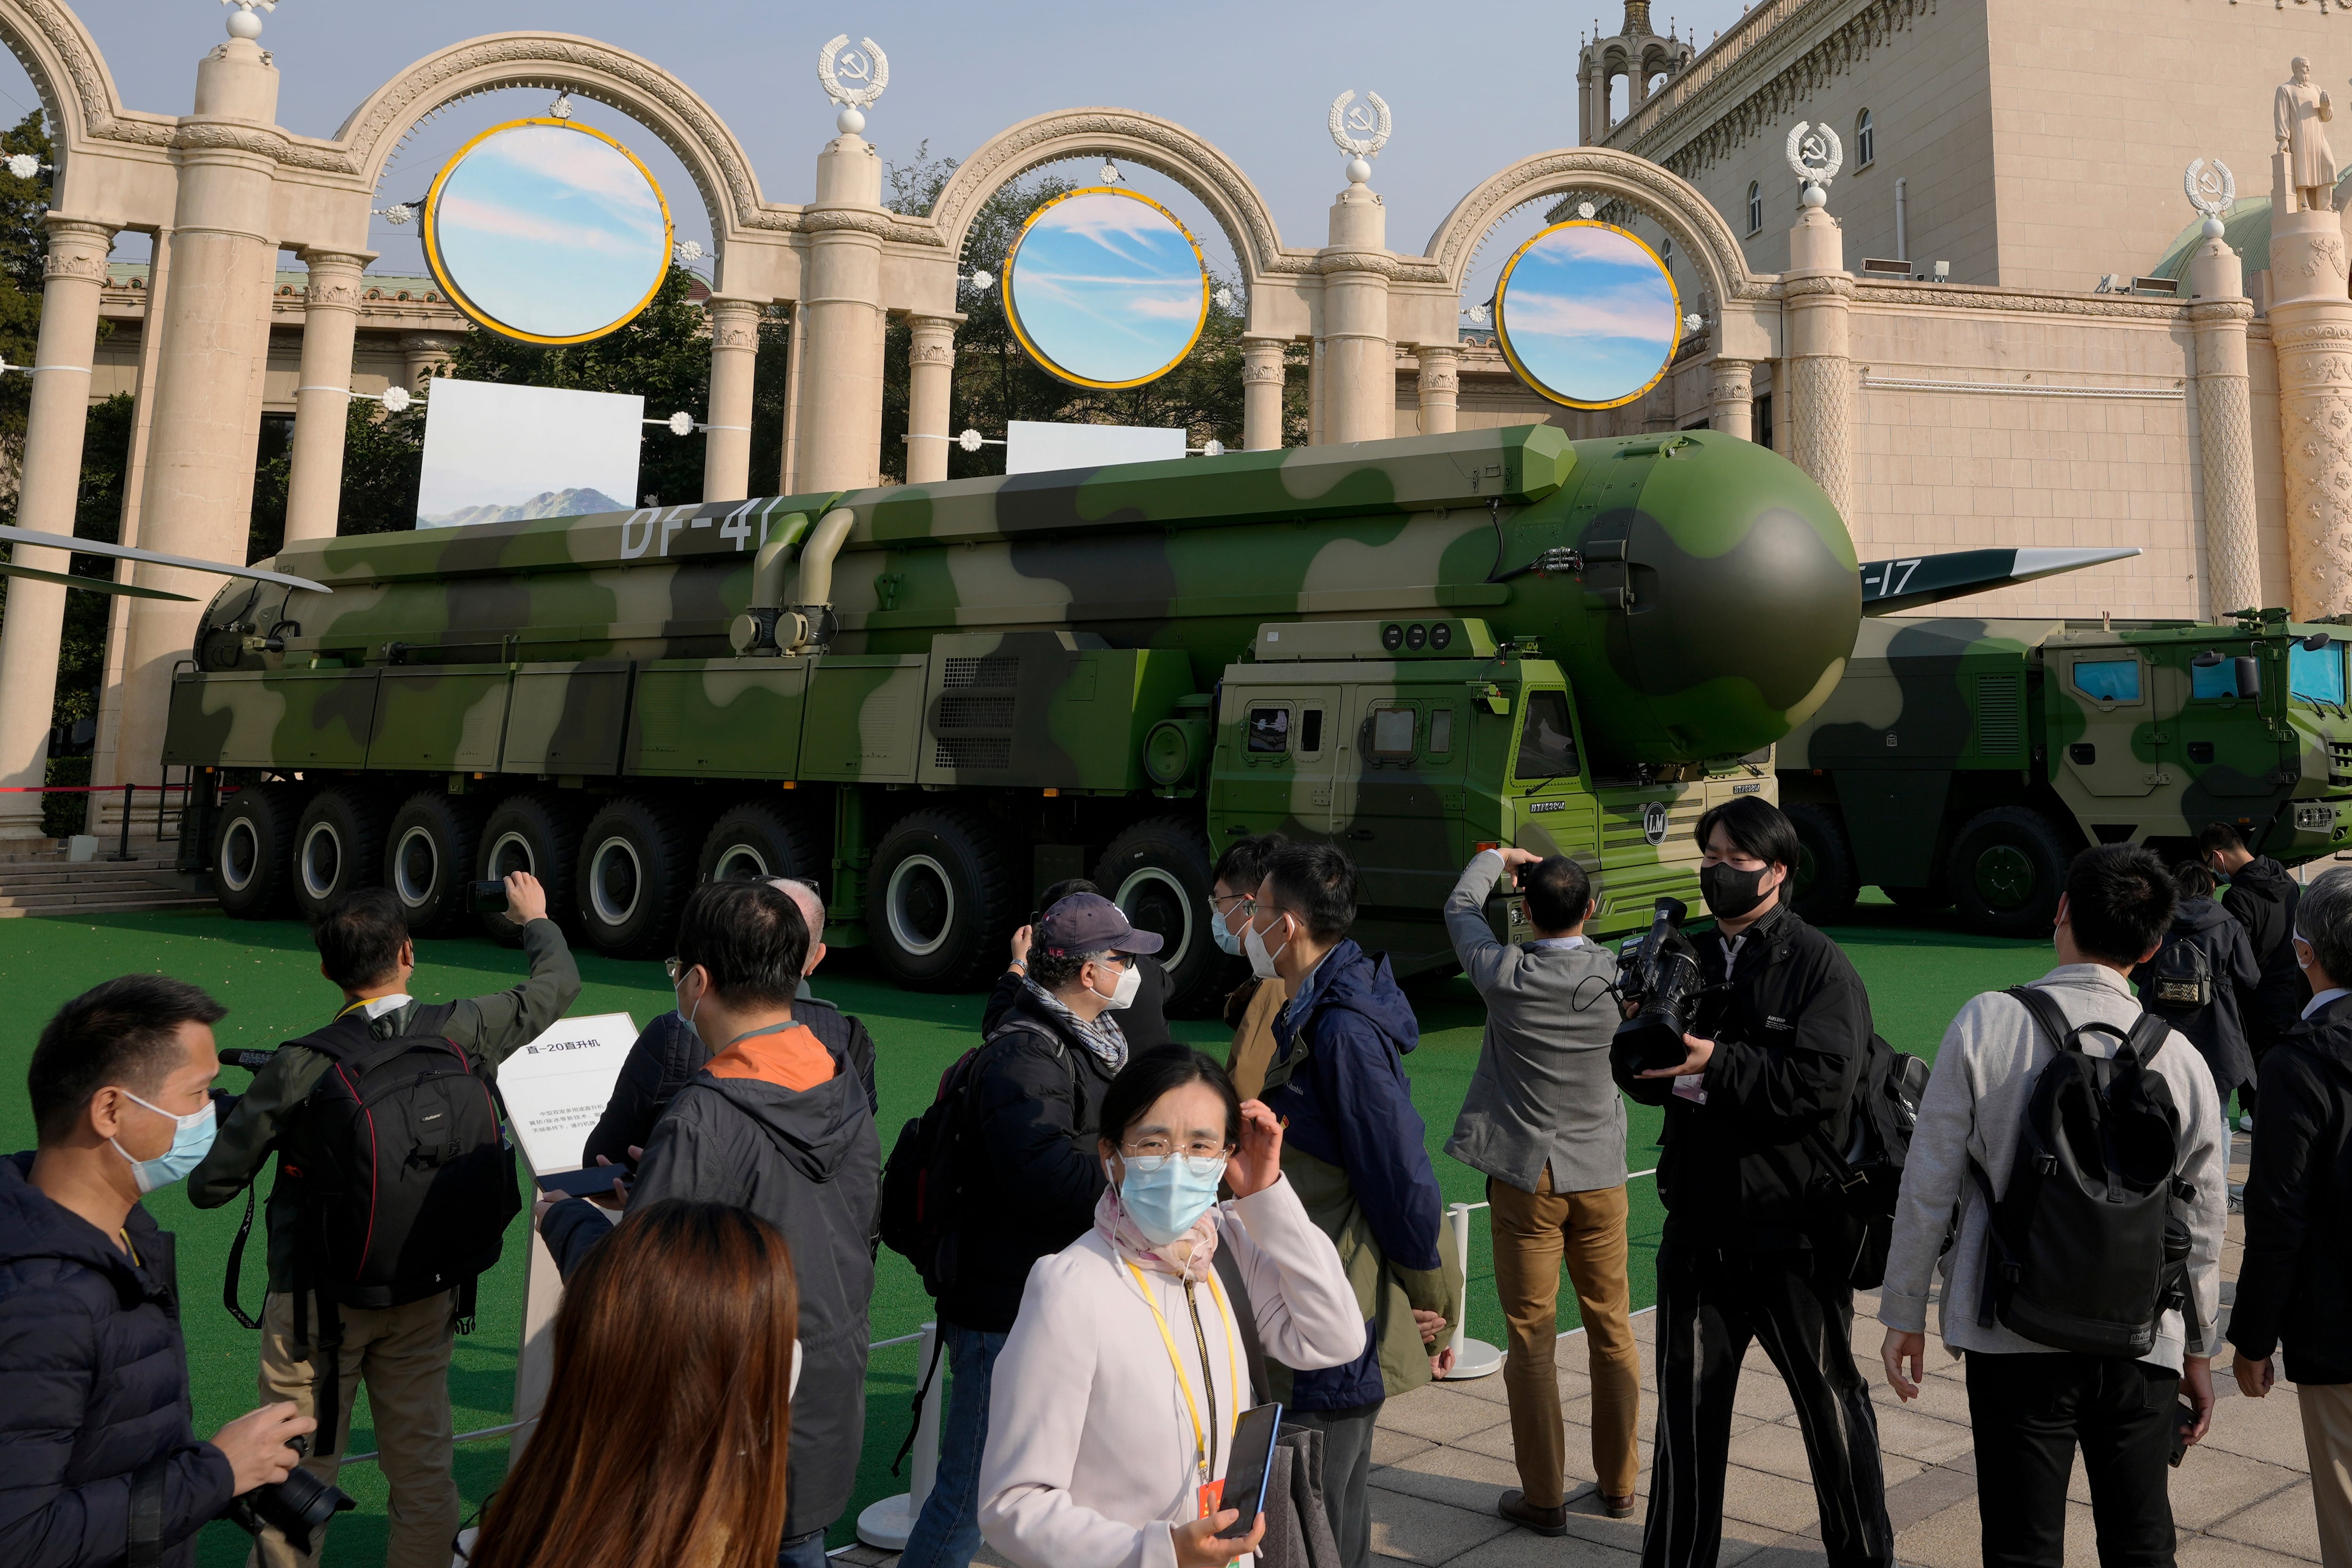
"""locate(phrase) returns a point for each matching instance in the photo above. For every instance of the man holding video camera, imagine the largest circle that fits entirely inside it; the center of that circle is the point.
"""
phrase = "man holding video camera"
(1755, 1249)
(367, 1282)
(97, 1462)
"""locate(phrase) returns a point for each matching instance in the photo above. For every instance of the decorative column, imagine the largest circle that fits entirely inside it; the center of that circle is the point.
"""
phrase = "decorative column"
(1732, 397)
(30, 634)
(726, 439)
(422, 356)
(1262, 376)
(2217, 323)
(1440, 385)
(1815, 293)
(330, 319)
(931, 377)
(840, 446)
(197, 498)
(1359, 359)
(2310, 329)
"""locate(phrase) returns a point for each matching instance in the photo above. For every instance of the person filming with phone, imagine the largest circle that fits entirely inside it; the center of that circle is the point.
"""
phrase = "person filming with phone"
(1123, 1400)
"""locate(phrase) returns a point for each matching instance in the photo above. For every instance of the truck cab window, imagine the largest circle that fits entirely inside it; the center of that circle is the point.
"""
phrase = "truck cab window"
(1269, 729)
(1441, 731)
(1310, 731)
(1546, 741)
(1392, 730)
(2316, 674)
(2208, 681)
(2108, 680)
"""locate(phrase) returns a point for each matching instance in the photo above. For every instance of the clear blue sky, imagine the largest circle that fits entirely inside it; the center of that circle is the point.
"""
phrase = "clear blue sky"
(1472, 88)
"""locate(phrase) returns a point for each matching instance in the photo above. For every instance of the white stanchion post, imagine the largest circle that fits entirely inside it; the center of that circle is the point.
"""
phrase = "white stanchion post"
(887, 1525)
(1472, 1357)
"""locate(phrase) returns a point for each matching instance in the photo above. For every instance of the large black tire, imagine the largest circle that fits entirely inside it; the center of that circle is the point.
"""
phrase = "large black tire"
(635, 870)
(942, 900)
(253, 850)
(428, 859)
(535, 832)
(1160, 872)
(2007, 871)
(1826, 885)
(338, 846)
(754, 839)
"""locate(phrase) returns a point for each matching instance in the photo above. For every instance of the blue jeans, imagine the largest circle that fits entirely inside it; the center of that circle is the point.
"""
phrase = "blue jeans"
(805, 1552)
(948, 1533)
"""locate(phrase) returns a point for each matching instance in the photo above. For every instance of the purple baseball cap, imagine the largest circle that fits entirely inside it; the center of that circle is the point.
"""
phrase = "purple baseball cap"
(1089, 923)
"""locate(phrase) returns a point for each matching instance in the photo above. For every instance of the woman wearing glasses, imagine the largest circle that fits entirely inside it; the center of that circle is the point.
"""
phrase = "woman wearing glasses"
(1117, 1393)
(1249, 1011)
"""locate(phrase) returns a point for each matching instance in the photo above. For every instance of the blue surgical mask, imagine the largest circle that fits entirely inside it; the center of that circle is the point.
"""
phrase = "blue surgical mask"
(190, 1144)
(1166, 1202)
(1223, 935)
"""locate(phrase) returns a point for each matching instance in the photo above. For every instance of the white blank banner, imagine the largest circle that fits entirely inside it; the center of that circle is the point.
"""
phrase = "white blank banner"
(1033, 446)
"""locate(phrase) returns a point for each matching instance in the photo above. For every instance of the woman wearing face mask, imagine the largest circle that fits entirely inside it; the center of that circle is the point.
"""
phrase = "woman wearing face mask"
(1251, 1010)
(1119, 1386)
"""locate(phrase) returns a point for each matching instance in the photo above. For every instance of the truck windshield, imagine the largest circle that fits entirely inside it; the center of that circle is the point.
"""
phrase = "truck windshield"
(1546, 742)
(2316, 674)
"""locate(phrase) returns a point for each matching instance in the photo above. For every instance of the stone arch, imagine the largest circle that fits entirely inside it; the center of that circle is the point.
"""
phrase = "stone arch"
(586, 69)
(76, 88)
(1700, 231)
(1156, 145)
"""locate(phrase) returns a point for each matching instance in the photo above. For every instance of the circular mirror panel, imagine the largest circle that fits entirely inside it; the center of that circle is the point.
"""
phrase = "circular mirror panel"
(1106, 287)
(1588, 315)
(547, 231)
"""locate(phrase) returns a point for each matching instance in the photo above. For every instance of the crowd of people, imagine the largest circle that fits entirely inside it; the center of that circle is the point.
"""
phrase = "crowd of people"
(1132, 1243)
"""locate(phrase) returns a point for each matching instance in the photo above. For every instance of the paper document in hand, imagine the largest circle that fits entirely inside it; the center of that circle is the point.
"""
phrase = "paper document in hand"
(555, 1088)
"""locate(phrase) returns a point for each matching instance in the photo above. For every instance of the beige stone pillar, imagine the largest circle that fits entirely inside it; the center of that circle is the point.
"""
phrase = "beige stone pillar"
(727, 439)
(1439, 386)
(1262, 378)
(840, 445)
(198, 494)
(1815, 293)
(330, 319)
(31, 634)
(1732, 397)
(2311, 327)
(422, 356)
(2218, 322)
(1357, 363)
(931, 378)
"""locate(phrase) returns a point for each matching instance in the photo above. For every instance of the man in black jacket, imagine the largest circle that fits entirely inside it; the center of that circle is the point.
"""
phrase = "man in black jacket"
(2295, 1284)
(2262, 895)
(2217, 1028)
(1753, 1248)
(1029, 1174)
(96, 1451)
(1144, 1021)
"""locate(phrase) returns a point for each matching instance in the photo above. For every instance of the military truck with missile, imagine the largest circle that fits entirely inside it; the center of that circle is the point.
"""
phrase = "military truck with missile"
(1962, 762)
(931, 701)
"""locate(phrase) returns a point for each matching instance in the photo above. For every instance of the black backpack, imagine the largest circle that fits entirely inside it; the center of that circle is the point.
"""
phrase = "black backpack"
(1868, 1173)
(2180, 977)
(2086, 1252)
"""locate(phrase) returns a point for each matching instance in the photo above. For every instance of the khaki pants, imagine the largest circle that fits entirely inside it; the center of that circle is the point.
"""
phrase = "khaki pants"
(402, 1353)
(2328, 1440)
(1533, 1233)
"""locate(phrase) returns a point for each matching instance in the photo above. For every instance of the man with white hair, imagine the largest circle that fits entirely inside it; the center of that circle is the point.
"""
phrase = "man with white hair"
(668, 1053)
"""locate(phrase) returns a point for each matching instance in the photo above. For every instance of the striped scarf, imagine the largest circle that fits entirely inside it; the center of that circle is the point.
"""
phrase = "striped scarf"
(1102, 1036)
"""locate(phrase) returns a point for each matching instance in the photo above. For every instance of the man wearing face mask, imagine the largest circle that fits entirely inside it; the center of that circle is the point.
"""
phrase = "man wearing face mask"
(1754, 1249)
(1030, 1172)
(97, 1462)
(777, 1122)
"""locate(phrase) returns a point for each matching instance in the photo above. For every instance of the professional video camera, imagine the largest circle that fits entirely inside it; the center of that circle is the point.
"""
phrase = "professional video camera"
(1660, 979)
(293, 1507)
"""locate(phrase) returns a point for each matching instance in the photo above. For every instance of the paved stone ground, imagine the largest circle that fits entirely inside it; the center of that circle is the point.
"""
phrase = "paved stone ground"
(2243, 1497)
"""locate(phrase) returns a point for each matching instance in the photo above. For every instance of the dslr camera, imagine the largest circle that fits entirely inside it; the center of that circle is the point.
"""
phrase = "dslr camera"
(1659, 977)
(293, 1507)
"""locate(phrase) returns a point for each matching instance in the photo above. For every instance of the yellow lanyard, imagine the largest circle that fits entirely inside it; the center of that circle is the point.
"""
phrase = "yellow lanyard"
(1232, 1366)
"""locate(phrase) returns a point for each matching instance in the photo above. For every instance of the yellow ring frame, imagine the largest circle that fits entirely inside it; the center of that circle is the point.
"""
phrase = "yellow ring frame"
(431, 236)
(1013, 314)
(1503, 335)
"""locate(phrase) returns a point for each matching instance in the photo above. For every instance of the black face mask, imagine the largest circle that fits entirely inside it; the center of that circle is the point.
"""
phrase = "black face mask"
(1730, 892)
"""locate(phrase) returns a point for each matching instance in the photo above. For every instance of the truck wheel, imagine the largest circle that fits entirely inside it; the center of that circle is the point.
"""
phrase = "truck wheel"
(1826, 884)
(253, 853)
(2009, 866)
(756, 840)
(634, 874)
(940, 901)
(535, 832)
(1158, 872)
(429, 858)
(337, 845)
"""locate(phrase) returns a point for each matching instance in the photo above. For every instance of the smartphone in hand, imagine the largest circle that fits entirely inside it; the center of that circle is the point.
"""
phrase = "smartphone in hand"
(1245, 1475)
(590, 1182)
(2184, 1422)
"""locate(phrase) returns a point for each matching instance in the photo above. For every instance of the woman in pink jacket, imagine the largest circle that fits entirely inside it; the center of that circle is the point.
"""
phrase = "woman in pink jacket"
(1111, 1421)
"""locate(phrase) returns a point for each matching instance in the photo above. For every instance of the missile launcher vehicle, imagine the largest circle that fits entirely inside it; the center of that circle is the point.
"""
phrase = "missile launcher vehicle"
(933, 701)
(1963, 762)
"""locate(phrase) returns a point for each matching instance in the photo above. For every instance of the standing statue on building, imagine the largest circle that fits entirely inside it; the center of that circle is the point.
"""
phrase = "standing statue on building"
(2297, 114)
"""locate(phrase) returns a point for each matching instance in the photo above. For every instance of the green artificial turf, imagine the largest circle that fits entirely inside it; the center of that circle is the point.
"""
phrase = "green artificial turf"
(266, 975)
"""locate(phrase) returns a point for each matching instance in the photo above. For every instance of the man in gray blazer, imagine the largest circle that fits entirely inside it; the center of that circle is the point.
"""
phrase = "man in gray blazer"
(1544, 1121)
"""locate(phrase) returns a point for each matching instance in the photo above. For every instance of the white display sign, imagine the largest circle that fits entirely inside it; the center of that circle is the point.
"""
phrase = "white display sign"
(555, 1088)
(1034, 446)
(499, 453)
